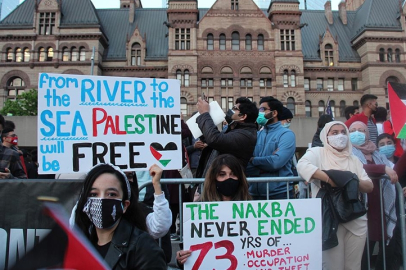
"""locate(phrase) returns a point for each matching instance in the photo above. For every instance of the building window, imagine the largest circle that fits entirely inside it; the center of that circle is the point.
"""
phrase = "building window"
(260, 42)
(355, 103)
(291, 105)
(50, 54)
(285, 78)
(186, 78)
(19, 55)
(204, 83)
(342, 108)
(210, 42)
(287, 40)
(308, 108)
(248, 42)
(15, 87)
(182, 39)
(74, 54)
(340, 86)
(136, 54)
(266, 82)
(179, 76)
(27, 55)
(382, 54)
(332, 104)
(328, 55)
(183, 106)
(82, 54)
(10, 55)
(226, 82)
(321, 107)
(42, 54)
(319, 84)
(397, 56)
(46, 23)
(306, 84)
(234, 4)
(330, 84)
(293, 78)
(390, 54)
(235, 42)
(222, 42)
(65, 54)
(354, 84)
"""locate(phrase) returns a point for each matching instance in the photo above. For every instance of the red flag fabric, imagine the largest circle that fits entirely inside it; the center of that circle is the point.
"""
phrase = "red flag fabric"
(397, 99)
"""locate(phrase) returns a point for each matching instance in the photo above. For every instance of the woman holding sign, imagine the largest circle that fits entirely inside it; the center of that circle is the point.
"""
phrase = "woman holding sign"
(109, 216)
(336, 154)
(225, 181)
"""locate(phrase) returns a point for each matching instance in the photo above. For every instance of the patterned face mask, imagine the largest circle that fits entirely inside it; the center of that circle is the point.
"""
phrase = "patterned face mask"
(103, 213)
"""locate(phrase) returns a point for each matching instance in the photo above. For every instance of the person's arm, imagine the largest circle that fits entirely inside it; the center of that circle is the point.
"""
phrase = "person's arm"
(16, 168)
(276, 160)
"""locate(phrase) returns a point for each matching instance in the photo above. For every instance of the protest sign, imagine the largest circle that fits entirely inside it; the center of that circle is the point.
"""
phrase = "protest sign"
(274, 235)
(85, 120)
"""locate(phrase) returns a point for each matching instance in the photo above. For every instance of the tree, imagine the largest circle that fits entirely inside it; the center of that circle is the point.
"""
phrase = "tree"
(26, 104)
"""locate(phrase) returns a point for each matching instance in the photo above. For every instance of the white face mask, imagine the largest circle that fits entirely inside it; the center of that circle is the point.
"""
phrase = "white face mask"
(338, 141)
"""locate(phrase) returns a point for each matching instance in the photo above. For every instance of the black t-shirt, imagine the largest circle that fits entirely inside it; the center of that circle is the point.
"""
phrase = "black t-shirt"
(103, 249)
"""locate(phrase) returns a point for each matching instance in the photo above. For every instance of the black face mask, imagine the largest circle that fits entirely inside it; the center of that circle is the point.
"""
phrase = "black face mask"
(228, 187)
(229, 114)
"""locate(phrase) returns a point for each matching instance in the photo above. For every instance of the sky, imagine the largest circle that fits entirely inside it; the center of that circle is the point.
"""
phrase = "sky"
(158, 3)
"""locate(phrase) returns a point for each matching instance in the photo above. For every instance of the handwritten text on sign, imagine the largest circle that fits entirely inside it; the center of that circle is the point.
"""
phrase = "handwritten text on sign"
(85, 120)
(274, 235)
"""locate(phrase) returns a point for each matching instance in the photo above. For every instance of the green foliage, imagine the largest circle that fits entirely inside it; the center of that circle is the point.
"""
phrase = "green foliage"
(26, 104)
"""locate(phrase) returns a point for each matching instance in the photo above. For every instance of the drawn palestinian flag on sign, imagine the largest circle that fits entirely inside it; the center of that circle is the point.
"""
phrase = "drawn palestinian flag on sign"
(397, 105)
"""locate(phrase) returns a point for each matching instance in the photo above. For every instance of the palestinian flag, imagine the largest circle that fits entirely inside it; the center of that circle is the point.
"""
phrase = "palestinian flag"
(62, 248)
(397, 105)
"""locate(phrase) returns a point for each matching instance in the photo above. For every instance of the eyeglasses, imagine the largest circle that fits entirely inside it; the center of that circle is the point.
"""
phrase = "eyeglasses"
(263, 109)
(235, 108)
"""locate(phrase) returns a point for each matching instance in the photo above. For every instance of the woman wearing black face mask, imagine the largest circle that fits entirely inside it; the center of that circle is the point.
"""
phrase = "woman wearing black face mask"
(109, 216)
(225, 181)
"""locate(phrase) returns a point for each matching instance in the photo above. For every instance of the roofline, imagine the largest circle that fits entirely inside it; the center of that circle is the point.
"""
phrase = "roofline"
(376, 29)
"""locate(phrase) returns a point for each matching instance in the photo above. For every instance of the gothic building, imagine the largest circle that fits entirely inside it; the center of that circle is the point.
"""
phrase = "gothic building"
(302, 57)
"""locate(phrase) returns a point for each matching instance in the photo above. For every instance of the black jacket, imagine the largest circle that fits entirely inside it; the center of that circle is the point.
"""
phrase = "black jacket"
(132, 248)
(238, 141)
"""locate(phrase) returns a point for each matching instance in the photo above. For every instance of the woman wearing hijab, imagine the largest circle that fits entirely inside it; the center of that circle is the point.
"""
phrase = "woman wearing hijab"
(376, 164)
(337, 154)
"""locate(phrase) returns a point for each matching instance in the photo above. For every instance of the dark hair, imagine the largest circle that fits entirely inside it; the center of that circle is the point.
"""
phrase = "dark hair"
(9, 124)
(133, 213)
(383, 136)
(286, 114)
(380, 114)
(2, 121)
(5, 132)
(366, 98)
(350, 110)
(273, 104)
(324, 119)
(210, 193)
(249, 108)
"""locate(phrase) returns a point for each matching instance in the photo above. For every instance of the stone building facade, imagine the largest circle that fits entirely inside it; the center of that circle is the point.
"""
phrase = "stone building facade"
(305, 58)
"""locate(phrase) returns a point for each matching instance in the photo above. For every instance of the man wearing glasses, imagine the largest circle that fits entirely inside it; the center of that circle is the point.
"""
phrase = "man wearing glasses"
(238, 140)
(273, 152)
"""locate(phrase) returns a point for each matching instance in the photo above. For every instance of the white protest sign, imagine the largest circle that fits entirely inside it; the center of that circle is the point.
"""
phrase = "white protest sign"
(274, 235)
(216, 114)
(85, 120)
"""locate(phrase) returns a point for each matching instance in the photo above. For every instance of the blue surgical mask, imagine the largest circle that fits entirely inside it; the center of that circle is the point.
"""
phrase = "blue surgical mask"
(387, 150)
(357, 138)
(261, 120)
(286, 125)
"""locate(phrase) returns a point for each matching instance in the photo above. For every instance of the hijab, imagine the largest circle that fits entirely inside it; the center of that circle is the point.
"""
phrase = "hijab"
(368, 147)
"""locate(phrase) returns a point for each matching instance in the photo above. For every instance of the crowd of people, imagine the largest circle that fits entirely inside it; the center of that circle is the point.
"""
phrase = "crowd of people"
(256, 141)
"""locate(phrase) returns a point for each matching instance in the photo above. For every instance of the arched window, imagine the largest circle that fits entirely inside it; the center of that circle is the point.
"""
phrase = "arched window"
(74, 54)
(382, 54)
(293, 78)
(19, 55)
(82, 54)
(210, 42)
(291, 105)
(42, 54)
(355, 103)
(342, 108)
(222, 42)
(50, 54)
(15, 86)
(328, 55)
(183, 106)
(308, 108)
(260, 42)
(390, 54)
(397, 56)
(248, 42)
(235, 43)
(285, 78)
(65, 54)
(136, 54)
(321, 107)
(187, 78)
(179, 76)
(10, 55)
(333, 107)
(27, 55)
